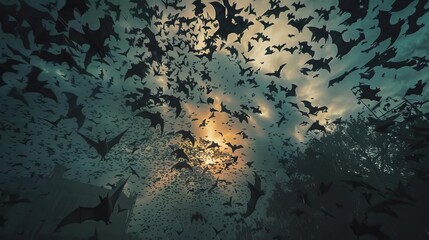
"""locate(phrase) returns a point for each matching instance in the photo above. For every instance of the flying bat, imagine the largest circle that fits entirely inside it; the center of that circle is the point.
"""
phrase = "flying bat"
(180, 165)
(318, 34)
(155, 119)
(341, 77)
(187, 135)
(277, 72)
(74, 109)
(140, 69)
(101, 212)
(94, 38)
(198, 217)
(37, 86)
(255, 193)
(173, 102)
(103, 146)
(275, 11)
(234, 147)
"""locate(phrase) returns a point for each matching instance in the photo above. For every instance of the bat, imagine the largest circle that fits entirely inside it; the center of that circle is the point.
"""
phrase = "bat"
(341, 77)
(417, 89)
(343, 46)
(198, 217)
(94, 38)
(275, 11)
(180, 153)
(322, 63)
(298, 5)
(316, 126)
(173, 102)
(74, 109)
(101, 212)
(277, 72)
(300, 23)
(180, 165)
(103, 146)
(234, 147)
(155, 119)
(140, 69)
(187, 135)
(37, 86)
(255, 193)
(318, 34)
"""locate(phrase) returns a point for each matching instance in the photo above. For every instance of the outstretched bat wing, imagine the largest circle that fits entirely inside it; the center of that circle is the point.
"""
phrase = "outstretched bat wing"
(79, 215)
(115, 140)
(255, 194)
(117, 193)
(180, 165)
(88, 140)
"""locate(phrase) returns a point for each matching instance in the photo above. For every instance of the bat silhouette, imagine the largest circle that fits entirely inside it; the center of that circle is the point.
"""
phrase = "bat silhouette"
(180, 165)
(419, 11)
(74, 110)
(316, 126)
(300, 23)
(180, 153)
(275, 11)
(234, 147)
(94, 38)
(140, 69)
(305, 48)
(37, 86)
(255, 193)
(228, 22)
(187, 135)
(341, 77)
(155, 119)
(318, 34)
(322, 63)
(366, 92)
(173, 102)
(55, 122)
(103, 146)
(356, 9)
(417, 89)
(198, 217)
(298, 5)
(101, 212)
(277, 72)
(343, 46)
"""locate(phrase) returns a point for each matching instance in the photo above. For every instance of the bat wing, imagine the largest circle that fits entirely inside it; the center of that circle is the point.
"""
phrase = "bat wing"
(220, 11)
(180, 165)
(140, 69)
(116, 194)
(308, 105)
(116, 139)
(88, 140)
(255, 194)
(78, 215)
(35, 85)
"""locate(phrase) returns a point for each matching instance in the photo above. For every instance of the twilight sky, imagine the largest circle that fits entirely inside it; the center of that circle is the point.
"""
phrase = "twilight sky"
(192, 57)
